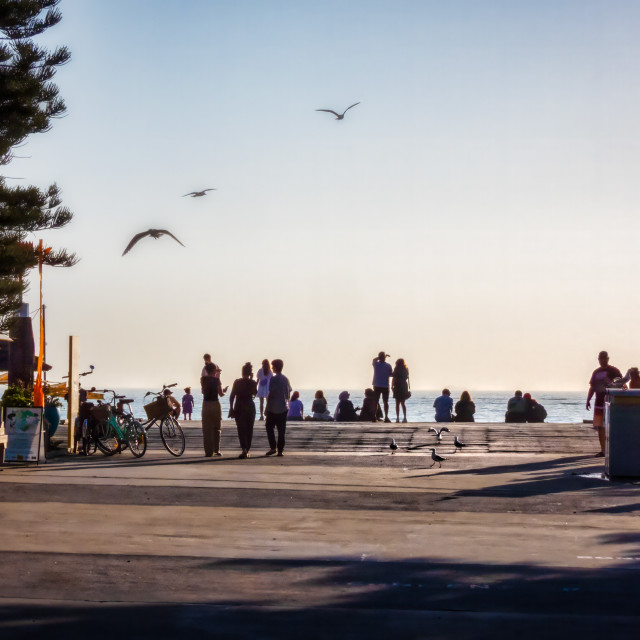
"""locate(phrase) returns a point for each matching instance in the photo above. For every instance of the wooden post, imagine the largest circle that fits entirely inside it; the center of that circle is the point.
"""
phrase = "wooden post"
(74, 389)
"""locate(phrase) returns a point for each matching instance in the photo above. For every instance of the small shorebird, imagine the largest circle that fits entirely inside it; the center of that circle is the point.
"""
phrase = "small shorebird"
(438, 432)
(457, 444)
(198, 194)
(393, 446)
(436, 458)
(339, 116)
(154, 233)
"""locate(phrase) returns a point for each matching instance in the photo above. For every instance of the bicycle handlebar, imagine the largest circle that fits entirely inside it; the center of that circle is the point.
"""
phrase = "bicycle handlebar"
(159, 393)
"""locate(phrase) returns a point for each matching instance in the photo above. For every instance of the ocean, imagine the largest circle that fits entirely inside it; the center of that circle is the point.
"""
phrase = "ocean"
(490, 405)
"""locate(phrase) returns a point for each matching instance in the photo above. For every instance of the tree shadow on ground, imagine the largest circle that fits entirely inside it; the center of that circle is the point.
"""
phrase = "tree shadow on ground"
(298, 598)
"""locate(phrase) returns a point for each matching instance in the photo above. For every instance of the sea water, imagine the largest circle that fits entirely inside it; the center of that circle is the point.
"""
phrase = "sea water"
(490, 405)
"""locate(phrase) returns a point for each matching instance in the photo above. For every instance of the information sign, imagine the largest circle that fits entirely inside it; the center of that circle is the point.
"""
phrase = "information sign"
(23, 428)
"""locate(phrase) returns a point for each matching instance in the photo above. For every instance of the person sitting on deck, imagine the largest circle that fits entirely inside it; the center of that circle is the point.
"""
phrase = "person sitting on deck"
(444, 406)
(516, 408)
(371, 411)
(465, 408)
(535, 412)
(319, 408)
(345, 412)
(296, 408)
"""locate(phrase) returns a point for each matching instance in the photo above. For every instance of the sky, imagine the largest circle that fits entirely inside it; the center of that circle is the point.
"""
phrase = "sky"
(475, 214)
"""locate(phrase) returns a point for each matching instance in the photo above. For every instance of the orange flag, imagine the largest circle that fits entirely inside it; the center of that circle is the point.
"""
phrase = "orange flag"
(38, 392)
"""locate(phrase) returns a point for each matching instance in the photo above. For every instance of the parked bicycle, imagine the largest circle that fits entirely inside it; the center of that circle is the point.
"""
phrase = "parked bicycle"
(159, 411)
(115, 428)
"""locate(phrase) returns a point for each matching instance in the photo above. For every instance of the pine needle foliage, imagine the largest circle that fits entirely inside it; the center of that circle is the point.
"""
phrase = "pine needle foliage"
(29, 101)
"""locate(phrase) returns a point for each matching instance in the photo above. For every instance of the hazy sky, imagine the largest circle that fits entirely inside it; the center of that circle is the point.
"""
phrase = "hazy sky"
(475, 214)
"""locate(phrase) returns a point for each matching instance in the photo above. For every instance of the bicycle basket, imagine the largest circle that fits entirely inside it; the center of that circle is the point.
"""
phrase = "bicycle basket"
(157, 409)
(101, 413)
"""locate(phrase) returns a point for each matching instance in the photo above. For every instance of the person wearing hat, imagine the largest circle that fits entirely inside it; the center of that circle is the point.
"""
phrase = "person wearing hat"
(345, 411)
(601, 378)
(382, 371)
(175, 405)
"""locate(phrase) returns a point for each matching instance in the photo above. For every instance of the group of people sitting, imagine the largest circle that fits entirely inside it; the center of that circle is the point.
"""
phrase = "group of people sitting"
(523, 408)
(446, 412)
(344, 412)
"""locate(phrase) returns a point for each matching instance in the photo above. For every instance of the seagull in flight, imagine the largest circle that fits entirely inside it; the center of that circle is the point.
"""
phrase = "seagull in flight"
(438, 432)
(436, 458)
(393, 446)
(458, 444)
(198, 194)
(339, 116)
(154, 233)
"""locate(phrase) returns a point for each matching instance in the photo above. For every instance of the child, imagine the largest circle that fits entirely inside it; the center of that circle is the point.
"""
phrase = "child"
(207, 359)
(187, 403)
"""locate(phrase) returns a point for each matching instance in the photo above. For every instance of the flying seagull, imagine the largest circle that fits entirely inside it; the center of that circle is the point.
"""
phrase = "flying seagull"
(438, 432)
(393, 446)
(198, 194)
(436, 458)
(458, 444)
(154, 233)
(339, 116)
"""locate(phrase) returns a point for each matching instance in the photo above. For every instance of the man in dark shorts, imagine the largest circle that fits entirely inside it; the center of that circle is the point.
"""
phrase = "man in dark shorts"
(601, 378)
(382, 371)
(277, 408)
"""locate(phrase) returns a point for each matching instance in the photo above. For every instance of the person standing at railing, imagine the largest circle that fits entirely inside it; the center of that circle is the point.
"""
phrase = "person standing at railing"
(211, 411)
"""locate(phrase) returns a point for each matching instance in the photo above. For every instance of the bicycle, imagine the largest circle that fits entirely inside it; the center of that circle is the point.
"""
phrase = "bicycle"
(159, 411)
(116, 429)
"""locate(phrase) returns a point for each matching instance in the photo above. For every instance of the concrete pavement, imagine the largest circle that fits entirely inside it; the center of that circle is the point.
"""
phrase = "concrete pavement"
(518, 533)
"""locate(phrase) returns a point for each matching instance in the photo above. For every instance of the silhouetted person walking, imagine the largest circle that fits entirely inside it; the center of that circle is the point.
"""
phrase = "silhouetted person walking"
(277, 407)
(242, 408)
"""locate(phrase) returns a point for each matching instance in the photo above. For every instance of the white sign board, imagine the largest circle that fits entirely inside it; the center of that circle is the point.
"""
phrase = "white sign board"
(23, 428)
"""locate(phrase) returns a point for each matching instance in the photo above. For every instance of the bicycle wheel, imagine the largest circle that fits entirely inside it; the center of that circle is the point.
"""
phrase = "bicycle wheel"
(107, 439)
(172, 436)
(89, 443)
(136, 437)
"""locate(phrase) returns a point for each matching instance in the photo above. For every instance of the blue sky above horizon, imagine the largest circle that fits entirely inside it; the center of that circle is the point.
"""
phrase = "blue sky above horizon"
(475, 214)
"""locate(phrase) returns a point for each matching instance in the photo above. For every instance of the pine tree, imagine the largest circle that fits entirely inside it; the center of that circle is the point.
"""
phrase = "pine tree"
(28, 102)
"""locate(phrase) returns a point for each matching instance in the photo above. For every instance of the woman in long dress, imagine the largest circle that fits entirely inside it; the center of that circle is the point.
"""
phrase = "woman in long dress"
(264, 376)
(242, 408)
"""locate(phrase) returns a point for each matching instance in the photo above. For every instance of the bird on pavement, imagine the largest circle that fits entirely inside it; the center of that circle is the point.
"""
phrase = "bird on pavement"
(339, 116)
(438, 432)
(393, 446)
(198, 194)
(154, 233)
(436, 458)
(457, 444)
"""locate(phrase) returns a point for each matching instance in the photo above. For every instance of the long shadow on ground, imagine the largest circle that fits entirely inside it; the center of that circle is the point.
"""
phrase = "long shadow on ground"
(334, 599)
